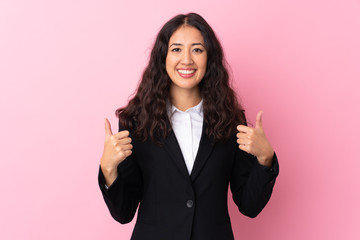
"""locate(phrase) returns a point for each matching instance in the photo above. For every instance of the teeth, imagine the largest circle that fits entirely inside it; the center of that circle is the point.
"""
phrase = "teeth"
(186, 71)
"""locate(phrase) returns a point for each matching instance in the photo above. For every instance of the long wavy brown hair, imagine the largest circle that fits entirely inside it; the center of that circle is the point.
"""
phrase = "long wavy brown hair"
(146, 113)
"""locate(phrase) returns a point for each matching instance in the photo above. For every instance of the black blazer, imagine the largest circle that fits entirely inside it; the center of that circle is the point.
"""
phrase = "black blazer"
(176, 206)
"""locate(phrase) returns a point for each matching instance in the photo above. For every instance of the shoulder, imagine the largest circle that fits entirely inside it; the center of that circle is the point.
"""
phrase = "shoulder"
(122, 127)
(126, 125)
(132, 133)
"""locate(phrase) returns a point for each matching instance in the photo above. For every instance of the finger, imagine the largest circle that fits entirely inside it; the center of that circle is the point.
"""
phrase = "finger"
(127, 153)
(243, 128)
(122, 134)
(244, 148)
(242, 135)
(259, 120)
(122, 148)
(107, 127)
(243, 141)
(124, 154)
(127, 147)
(124, 141)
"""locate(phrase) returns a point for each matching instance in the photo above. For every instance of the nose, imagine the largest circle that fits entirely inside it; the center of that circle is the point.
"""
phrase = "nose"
(187, 58)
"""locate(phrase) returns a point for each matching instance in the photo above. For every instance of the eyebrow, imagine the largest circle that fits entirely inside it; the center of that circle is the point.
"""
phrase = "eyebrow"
(179, 44)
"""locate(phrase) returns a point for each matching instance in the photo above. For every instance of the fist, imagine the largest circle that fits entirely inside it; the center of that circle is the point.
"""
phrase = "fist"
(254, 141)
(117, 148)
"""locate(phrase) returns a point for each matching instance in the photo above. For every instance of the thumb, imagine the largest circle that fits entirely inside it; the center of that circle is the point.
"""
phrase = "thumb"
(259, 120)
(107, 127)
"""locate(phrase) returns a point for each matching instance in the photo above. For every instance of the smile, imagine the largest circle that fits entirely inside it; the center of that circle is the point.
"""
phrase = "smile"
(186, 73)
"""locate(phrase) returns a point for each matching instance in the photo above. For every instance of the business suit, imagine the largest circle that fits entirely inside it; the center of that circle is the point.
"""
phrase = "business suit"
(174, 205)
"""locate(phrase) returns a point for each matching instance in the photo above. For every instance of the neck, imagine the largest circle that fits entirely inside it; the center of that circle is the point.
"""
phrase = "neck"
(183, 99)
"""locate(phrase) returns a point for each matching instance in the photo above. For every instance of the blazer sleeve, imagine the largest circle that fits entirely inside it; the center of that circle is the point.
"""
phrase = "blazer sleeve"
(123, 196)
(251, 183)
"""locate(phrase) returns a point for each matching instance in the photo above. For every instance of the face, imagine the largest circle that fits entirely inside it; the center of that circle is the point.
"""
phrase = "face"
(186, 58)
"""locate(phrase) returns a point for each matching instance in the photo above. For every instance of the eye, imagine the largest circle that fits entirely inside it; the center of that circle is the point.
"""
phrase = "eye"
(198, 50)
(175, 50)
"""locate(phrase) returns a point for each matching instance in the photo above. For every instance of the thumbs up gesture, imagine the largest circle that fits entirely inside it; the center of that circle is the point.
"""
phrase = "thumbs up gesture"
(254, 141)
(117, 148)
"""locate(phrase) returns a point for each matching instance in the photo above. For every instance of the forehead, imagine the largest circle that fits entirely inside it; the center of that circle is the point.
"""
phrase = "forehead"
(186, 34)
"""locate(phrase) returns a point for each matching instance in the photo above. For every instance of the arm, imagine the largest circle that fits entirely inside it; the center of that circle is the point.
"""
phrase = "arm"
(251, 183)
(119, 170)
(124, 194)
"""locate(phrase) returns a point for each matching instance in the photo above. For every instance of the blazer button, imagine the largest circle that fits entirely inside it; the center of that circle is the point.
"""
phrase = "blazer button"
(189, 203)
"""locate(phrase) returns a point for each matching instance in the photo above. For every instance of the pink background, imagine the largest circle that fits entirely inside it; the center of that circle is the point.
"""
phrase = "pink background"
(65, 65)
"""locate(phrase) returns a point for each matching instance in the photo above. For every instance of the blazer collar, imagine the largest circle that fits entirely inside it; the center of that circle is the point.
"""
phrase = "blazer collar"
(205, 148)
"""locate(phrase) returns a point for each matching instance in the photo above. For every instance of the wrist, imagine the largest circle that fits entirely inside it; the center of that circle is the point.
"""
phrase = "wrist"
(266, 160)
(110, 175)
(108, 170)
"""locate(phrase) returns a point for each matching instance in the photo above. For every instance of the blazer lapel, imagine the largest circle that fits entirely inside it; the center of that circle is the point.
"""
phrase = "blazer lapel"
(173, 148)
(205, 148)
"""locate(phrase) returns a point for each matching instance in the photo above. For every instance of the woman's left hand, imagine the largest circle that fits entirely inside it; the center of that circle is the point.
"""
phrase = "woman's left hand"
(254, 141)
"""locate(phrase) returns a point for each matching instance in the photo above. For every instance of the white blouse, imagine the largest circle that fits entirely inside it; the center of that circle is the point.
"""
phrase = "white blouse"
(187, 127)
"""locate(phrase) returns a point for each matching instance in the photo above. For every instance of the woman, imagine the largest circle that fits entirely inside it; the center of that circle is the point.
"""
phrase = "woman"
(182, 140)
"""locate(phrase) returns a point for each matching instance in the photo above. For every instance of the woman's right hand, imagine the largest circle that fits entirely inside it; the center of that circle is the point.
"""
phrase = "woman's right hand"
(117, 148)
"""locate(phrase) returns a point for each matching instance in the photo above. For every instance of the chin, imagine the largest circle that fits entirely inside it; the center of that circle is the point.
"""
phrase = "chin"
(187, 85)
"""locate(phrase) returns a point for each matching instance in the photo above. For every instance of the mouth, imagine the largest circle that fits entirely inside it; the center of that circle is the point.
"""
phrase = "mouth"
(186, 73)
